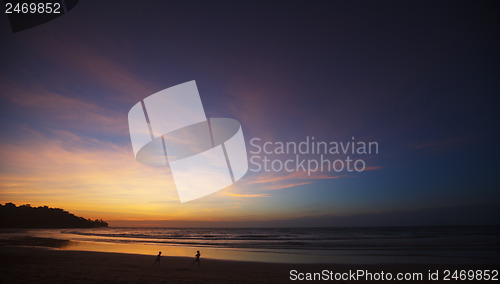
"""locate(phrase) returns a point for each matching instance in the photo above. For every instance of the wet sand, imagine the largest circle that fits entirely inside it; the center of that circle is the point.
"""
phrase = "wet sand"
(21, 264)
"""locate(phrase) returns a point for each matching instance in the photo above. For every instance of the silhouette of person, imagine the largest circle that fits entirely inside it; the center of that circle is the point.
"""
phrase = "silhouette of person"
(197, 258)
(157, 259)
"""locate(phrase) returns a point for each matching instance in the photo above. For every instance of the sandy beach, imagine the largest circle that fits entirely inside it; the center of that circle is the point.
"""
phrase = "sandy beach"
(20, 264)
(38, 265)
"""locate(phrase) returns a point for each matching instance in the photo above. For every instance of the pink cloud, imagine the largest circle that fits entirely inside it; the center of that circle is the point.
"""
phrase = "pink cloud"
(274, 181)
(247, 195)
(372, 168)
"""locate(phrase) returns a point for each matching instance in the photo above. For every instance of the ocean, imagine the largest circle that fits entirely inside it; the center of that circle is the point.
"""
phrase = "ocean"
(359, 245)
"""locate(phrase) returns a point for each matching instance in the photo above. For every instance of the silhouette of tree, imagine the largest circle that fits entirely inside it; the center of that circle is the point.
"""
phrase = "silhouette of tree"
(26, 216)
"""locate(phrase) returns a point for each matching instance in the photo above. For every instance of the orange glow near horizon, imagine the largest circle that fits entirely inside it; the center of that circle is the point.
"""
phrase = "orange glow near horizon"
(61, 165)
(99, 180)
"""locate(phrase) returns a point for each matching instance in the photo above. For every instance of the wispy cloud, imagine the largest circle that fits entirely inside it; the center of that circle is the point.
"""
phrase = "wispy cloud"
(90, 63)
(63, 111)
(86, 174)
(263, 184)
(247, 195)
(372, 168)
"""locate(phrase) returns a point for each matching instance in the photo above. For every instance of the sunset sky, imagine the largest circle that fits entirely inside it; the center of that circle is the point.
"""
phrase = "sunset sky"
(419, 77)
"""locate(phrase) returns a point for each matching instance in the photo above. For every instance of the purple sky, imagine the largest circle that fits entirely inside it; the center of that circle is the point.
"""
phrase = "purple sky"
(418, 77)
